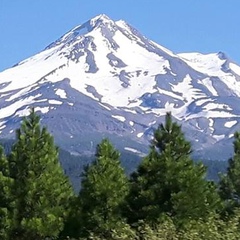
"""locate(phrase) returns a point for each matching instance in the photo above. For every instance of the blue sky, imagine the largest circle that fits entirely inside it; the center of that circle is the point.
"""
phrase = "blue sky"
(28, 26)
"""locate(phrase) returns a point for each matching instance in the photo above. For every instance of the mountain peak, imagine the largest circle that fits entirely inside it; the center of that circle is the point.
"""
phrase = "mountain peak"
(222, 55)
(80, 30)
(99, 20)
(100, 17)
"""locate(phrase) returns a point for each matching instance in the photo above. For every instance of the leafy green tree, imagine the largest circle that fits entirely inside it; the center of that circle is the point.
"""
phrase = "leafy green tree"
(168, 181)
(229, 186)
(40, 188)
(6, 202)
(213, 227)
(104, 188)
(166, 230)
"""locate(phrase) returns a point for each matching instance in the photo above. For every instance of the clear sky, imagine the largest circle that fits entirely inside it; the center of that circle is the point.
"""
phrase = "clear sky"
(28, 26)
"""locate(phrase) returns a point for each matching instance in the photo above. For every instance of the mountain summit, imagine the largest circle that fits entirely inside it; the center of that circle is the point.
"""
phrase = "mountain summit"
(105, 79)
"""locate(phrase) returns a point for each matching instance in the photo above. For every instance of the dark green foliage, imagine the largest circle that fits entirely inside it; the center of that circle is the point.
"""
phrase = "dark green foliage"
(168, 181)
(6, 201)
(73, 166)
(7, 145)
(170, 135)
(230, 182)
(167, 197)
(211, 228)
(41, 189)
(104, 187)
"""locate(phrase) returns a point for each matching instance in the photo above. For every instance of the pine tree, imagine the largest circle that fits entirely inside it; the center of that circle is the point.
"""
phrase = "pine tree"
(6, 202)
(229, 185)
(104, 187)
(168, 181)
(40, 187)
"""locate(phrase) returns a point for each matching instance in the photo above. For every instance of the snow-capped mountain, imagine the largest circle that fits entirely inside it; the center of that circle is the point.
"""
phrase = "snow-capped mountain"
(105, 79)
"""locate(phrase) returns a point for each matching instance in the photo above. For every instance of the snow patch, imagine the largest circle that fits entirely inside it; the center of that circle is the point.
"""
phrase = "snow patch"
(130, 110)
(2, 127)
(211, 123)
(230, 124)
(12, 109)
(23, 113)
(219, 137)
(21, 93)
(208, 83)
(61, 93)
(120, 118)
(210, 64)
(52, 101)
(152, 123)
(186, 89)
(133, 150)
(235, 68)
(213, 105)
(42, 110)
(131, 123)
(139, 135)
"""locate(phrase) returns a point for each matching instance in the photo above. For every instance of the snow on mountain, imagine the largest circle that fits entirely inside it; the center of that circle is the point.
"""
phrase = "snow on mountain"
(210, 64)
(104, 78)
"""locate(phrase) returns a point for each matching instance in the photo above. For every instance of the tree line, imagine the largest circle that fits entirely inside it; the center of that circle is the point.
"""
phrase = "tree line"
(166, 197)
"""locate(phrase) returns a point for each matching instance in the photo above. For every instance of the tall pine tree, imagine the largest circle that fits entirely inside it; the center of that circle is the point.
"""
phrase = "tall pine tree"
(41, 189)
(229, 186)
(168, 181)
(104, 187)
(6, 201)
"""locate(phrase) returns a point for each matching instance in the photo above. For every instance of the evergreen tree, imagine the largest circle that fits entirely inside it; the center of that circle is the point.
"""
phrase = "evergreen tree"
(6, 202)
(40, 188)
(104, 187)
(168, 181)
(230, 182)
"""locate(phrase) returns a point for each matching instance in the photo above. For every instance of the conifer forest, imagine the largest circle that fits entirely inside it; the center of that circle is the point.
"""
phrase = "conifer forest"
(168, 195)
